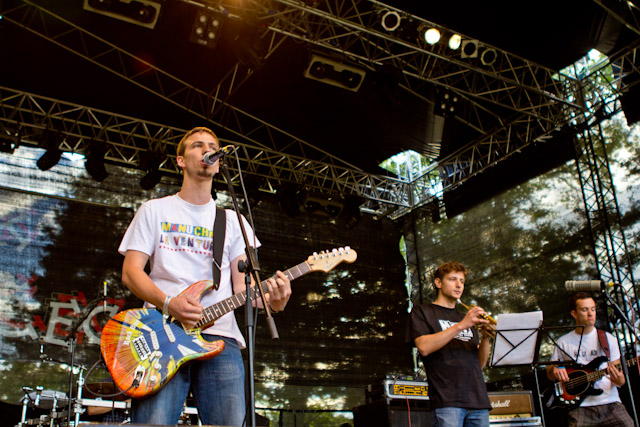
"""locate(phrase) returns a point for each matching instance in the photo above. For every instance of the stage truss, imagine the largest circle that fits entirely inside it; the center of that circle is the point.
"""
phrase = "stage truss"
(541, 101)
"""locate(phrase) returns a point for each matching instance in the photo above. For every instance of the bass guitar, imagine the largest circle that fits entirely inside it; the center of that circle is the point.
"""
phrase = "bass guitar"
(571, 394)
(143, 349)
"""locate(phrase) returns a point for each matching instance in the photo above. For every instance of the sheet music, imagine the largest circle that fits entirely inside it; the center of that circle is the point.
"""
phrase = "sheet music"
(516, 336)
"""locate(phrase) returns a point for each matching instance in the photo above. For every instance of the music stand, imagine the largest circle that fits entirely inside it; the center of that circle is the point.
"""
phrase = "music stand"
(517, 342)
(520, 346)
(517, 339)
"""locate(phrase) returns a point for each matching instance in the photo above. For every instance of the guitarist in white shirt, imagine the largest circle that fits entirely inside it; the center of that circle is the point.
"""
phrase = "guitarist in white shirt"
(598, 409)
(174, 235)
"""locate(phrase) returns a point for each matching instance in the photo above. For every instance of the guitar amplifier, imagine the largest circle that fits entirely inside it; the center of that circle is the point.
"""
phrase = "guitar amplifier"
(383, 414)
(514, 403)
(398, 387)
(512, 408)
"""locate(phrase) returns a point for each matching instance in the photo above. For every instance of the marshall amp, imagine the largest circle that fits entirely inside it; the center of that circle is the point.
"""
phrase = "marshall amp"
(512, 408)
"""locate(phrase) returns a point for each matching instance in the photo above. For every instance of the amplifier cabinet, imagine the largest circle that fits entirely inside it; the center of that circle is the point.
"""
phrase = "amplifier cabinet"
(384, 415)
(513, 403)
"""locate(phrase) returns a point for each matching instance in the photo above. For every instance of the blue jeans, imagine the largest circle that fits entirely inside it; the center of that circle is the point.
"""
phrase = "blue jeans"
(459, 417)
(217, 384)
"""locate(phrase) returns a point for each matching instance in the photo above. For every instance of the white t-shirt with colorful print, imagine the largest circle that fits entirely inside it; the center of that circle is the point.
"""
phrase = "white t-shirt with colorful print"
(178, 237)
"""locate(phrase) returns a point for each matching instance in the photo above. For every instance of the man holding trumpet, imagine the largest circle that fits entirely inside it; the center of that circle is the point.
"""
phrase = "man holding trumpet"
(452, 351)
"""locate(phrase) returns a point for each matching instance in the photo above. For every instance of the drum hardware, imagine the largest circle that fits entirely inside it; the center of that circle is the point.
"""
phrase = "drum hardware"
(42, 399)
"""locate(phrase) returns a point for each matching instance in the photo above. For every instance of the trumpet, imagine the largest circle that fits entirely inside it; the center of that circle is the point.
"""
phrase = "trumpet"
(490, 328)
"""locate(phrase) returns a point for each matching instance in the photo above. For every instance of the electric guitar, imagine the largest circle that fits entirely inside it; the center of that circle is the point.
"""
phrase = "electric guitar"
(571, 394)
(143, 349)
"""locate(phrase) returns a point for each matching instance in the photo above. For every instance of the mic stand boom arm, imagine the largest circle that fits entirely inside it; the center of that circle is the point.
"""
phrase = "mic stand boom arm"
(252, 268)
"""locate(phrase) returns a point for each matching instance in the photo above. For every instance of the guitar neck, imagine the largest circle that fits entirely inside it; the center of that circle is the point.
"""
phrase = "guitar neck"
(216, 311)
(596, 375)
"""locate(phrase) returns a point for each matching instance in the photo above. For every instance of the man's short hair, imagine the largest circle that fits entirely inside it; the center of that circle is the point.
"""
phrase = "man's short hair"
(578, 296)
(449, 267)
(181, 145)
(446, 268)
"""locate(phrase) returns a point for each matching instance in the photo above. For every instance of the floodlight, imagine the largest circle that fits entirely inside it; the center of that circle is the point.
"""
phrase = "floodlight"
(432, 36)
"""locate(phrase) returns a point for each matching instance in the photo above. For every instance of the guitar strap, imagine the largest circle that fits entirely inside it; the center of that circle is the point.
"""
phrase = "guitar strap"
(219, 231)
(604, 343)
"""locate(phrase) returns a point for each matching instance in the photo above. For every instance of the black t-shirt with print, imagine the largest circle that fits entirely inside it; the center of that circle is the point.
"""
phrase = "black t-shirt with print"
(453, 372)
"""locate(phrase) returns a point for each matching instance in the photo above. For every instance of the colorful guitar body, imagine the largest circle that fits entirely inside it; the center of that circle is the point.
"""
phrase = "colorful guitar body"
(143, 350)
(142, 345)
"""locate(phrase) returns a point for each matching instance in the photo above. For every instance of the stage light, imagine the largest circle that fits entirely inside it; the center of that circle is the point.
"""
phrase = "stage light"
(469, 49)
(334, 73)
(454, 41)
(139, 12)
(206, 29)
(9, 140)
(390, 20)
(94, 161)
(488, 57)
(432, 36)
(150, 163)
(446, 104)
(50, 141)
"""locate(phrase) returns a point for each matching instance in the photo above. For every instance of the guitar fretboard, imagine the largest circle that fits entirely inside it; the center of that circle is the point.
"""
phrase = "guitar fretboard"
(596, 375)
(216, 311)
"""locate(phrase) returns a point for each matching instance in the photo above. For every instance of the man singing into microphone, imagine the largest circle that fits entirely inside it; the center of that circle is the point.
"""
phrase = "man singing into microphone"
(604, 409)
(175, 235)
(452, 352)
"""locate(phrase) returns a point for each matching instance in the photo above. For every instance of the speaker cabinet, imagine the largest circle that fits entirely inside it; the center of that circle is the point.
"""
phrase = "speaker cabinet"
(396, 415)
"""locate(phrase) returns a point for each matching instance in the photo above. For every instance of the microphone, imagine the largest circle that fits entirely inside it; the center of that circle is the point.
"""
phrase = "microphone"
(212, 157)
(583, 285)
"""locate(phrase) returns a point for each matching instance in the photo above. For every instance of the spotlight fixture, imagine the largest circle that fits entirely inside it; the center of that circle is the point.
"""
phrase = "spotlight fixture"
(432, 36)
(446, 104)
(9, 140)
(454, 41)
(390, 20)
(206, 29)
(50, 141)
(469, 49)
(140, 12)
(334, 73)
(150, 163)
(488, 57)
(94, 161)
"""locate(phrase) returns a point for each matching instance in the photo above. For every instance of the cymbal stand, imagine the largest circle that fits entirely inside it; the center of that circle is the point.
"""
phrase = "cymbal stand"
(77, 405)
(25, 404)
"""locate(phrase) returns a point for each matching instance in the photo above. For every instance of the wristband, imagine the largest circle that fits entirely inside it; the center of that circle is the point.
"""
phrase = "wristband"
(165, 306)
(274, 311)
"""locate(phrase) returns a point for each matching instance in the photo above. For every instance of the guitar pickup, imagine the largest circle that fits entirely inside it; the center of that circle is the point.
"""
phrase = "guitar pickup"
(169, 332)
(154, 340)
(142, 348)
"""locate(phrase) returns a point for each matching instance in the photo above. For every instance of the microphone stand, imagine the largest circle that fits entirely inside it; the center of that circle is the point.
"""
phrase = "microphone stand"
(624, 319)
(251, 268)
(71, 342)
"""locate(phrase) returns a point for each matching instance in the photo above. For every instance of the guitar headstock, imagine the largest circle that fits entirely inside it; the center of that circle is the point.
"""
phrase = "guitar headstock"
(327, 260)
